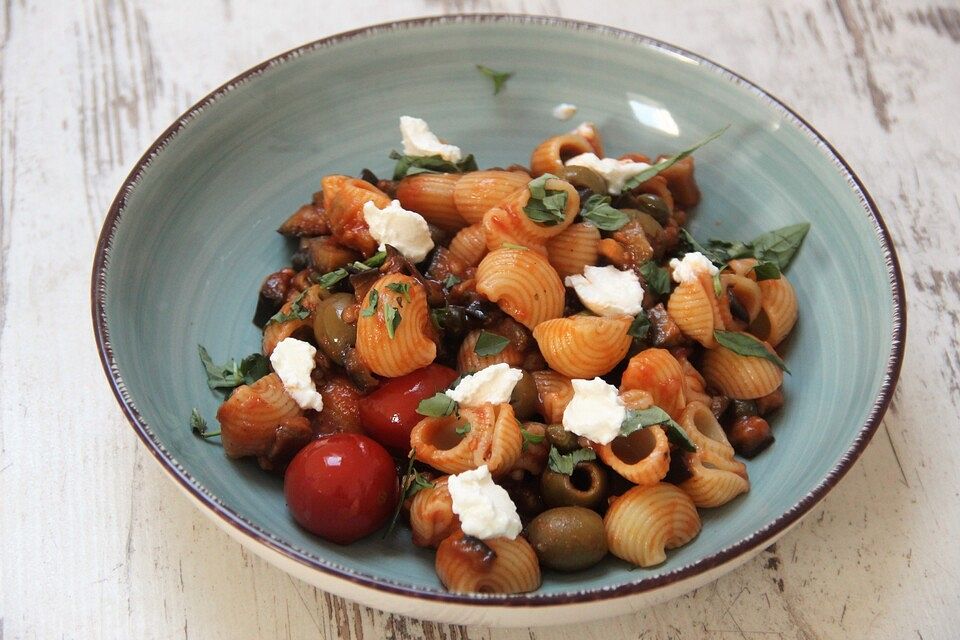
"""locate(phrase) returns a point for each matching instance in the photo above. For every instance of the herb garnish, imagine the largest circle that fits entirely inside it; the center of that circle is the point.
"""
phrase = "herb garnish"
(640, 326)
(766, 271)
(297, 311)
(666, 163)
(199, 426)
(489, 344)
(499, 77)
(746, 345)
(598, 212)
(530, 438)
(372, 299)
(464, 429)
(545, 206)
(642, 418)
(391, 317)
(401, 289)
(565, 463)
(331, 278)
(775, 248)
(411, 483)
(451, 282)
(516, 247)
(657, 278)
(437, 406)
(232, 374)
(412, 165)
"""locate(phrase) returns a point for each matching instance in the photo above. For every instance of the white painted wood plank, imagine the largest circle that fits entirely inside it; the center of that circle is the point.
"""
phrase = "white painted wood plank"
(97, 543)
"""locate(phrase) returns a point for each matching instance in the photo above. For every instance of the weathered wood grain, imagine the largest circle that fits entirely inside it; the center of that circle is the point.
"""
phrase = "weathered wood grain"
(97, 543)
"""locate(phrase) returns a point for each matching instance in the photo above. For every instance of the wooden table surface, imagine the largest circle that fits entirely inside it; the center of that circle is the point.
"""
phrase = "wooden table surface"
(96, 542)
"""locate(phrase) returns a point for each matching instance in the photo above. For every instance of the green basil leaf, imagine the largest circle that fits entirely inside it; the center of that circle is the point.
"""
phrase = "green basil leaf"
(297, 312)
(679, 437)
(489, 344)
(598, 212)
(391, 317)
(254, 367)
(328, 280)
(746, 345)
(725, 251)
(451, 282)
(516, 247)
(376, 260)
(657, 278)
(545, 206)
(666, 163)
(531, 438)
(766, 271)
(412, 165)
(437, 406)
(565, 463)
(689, 244)
(640, 327)
(643, 418)
(499, 78)
(372, 298)
(199, 426)
(464, 429)
(411, 483)
(780, 245)
(401, 289)
(231, 374)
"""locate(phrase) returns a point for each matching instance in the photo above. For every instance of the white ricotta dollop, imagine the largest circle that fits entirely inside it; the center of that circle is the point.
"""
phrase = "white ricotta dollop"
(419, 141)
(484, 508)
(595, 412)
(493, 384)
(406, 231)
(564, 111)
(607, 291)
(615, 172)
(692, 265)
(293, 361)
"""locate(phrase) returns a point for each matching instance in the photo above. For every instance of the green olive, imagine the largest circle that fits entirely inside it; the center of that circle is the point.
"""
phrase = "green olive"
(563, 440)
(332, 333)
(587, 487)
(651, 228)
(568, 538)
(524, 397)
(584, 177)
(654, 206)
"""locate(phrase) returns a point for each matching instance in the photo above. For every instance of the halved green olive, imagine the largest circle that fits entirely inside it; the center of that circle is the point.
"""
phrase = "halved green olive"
(563, 440)
(654, 206)
(651, 228)
(524, 397)
(568, 538)
(584, 177)
(587, 487)
(333, 335)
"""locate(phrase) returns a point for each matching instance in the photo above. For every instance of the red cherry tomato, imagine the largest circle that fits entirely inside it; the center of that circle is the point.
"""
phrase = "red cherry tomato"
(342, 487)
(389, 414)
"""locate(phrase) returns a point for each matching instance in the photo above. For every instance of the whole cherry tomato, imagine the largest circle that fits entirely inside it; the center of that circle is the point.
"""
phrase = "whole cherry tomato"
(389, 414)
(342, 487)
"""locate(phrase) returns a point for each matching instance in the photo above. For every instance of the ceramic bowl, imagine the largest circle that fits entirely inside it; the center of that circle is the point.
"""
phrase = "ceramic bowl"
(191, 235)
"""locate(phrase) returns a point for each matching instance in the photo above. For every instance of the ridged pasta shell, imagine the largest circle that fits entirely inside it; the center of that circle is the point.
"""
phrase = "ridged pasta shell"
(681, 182)
(509, 223)
(343, 199)
(578, 246)
(747, 293)
(643, 457)
(658, 373)
(479, 191)
(694, 307)
(275, 332)
(470, 244)
(412, 346)
(431, 515)
(554, 393)
(711, 487)
(463, 567)
(704, 430)
(740, 377)
(583, 346)
(523, 284)
(250, 416)
(493, 439)
(432, 196)
(468, 361)
(550, 154)
(645, 521)
(779, 303)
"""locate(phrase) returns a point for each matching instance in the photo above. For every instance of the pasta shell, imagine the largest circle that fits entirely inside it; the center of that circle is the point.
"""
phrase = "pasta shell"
(646, 521)
(479, 191)
(695, 309)
(493, 439)
(779, 303)
(550, 154)
(554, 393)
(746, 291)
(470, 244)
(523, 284)
(681, 182)
(583, 346)
(740, 377)
(344, 199)
(658, 373)
(643, 457)
(703, 429)
(431, 515)
(412, 345)
(249, 418)
(708, 486)
(275, 332)
(432, 196)
(468, 361)
(573, 249)
(498, 565)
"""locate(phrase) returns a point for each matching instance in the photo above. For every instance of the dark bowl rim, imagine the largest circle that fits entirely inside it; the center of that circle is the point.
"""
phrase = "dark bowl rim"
(730, 553)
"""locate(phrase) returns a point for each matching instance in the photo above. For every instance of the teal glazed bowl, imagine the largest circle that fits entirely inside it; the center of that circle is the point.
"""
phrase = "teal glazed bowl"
(191, 235)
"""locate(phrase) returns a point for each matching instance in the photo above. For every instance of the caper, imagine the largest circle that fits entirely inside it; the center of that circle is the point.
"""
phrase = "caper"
(583, 177)
(587, 487)
(651, 228)
(524, 397)
(563, 440)
(568, 538)
(654, 206)
(333, 335)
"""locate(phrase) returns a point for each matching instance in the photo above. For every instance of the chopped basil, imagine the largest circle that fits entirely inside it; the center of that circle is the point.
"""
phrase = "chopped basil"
(329, 279)
(727, 251)
(780, 245)
(499, 77)
(199, 426)
(376, 260)
(598, 212)
(437, 406)
(746, 345)
(516, 247)
(372, 298)
(391, 316)
(545, 206)
(401, 289)
(766, 271)
(656, 277)
(232, 374)
(565, 463)
(412, 165)
(666, 163)
(411, 484)
(642, 418)
(688, 241)
(451, 282)
(297, 312)
(489, 344)
(464, 429)
(530, 438)
(640, 327)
